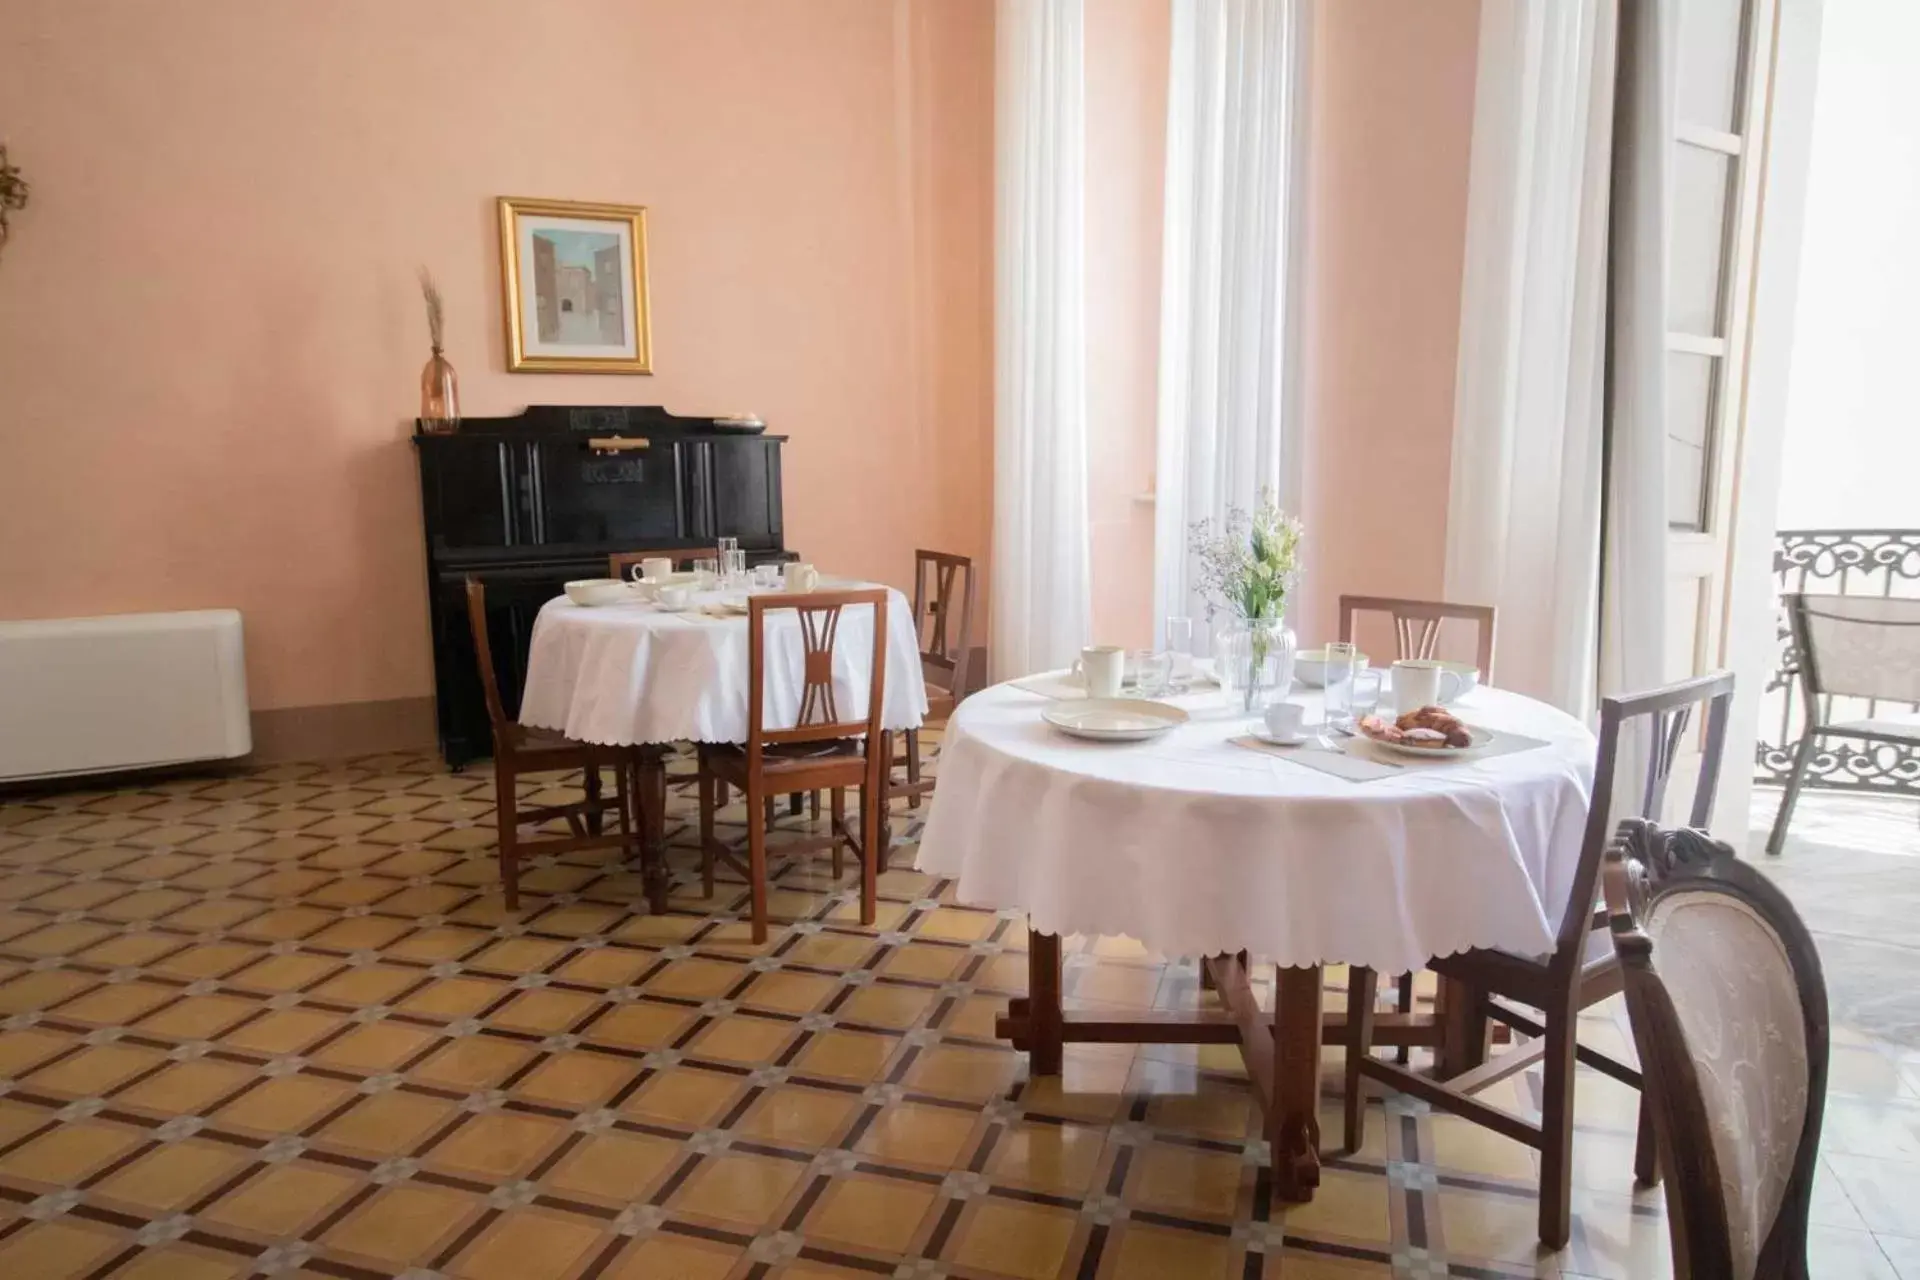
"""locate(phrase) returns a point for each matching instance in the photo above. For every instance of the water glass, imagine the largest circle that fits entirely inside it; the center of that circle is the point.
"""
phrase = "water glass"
(1342, 662)
(1149, 672)
(1179, 654)
(706, 571)
(1366, 694)
(766, 577)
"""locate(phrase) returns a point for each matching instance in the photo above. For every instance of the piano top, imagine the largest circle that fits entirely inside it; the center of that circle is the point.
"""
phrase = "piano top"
(546, 420)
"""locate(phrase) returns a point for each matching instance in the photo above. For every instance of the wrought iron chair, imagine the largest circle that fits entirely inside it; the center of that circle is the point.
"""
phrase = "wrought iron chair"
(1850, 646)
(1416, 634)
(820, 751)
(1729, 1014)
(1577, 973)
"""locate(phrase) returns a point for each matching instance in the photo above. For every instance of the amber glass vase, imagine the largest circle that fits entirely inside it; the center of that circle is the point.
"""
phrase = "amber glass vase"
(439, 396)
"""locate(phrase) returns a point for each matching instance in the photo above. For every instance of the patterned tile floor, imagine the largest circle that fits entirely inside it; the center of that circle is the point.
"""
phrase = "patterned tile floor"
(278, 1023)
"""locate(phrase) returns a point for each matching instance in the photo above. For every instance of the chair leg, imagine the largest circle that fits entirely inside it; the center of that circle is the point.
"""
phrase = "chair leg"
(767, 806)
(838, 830)
(1362, 992)
(796, 804)
(1646, 1156)
(1556, 1130)
(1403, 1054)
(1802, 758)
(506, 819)
(872, 834)
(590, 783)
(757, 865)
(813, 805)
(709, 790)
(913, 768)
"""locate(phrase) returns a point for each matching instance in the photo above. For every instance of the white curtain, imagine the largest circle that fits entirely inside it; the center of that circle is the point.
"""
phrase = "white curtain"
(1229, 393)
(1523, 526)
(1557, 510)
(1633, 628)
(1041, 603)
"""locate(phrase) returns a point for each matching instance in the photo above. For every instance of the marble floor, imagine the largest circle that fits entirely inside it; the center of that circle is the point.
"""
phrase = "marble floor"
(278, 1023)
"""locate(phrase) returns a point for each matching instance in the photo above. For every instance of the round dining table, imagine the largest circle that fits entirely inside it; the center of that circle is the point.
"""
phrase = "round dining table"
(639, 675)
(1206, 842)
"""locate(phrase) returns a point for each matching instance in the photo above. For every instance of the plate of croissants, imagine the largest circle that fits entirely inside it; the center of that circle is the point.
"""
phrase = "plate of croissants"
(1429, 732)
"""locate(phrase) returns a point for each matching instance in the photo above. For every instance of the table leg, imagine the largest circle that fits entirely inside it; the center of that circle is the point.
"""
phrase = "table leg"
(1293, 1121)
(650, 794)
(1464, 1026)
(1044, 1014)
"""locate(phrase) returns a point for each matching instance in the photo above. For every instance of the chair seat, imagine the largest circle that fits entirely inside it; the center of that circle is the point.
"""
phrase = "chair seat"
(728, 761)
(1903, 729)
(940, 703)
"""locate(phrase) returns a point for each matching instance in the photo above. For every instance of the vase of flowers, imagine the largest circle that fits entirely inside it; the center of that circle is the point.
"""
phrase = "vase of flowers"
(1246, 567)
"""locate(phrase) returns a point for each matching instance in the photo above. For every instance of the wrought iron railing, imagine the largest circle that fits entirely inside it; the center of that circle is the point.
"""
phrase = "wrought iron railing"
(1852, 562)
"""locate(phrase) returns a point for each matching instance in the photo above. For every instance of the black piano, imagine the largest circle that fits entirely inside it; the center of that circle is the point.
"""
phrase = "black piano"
(527, 503)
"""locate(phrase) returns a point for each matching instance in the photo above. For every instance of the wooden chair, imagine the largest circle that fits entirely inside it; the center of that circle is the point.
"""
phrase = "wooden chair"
(1416, 634)
(1729, 1014)
(1850, 646)
(945, 659)
(518, 750)
(622, 563)
(1574, 975)
(820, 752)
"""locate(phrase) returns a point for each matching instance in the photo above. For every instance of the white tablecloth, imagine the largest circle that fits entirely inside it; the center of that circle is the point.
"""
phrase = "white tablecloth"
(1194, 846)
(621, 675)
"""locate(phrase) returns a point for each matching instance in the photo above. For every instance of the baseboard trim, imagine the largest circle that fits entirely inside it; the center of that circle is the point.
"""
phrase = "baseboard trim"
(335, 731)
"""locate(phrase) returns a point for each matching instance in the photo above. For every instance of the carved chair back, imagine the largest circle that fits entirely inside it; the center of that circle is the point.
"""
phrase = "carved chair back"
(942, 625)
(818, 616)
(622, 564)
(1416, 625)
(1729, 1013)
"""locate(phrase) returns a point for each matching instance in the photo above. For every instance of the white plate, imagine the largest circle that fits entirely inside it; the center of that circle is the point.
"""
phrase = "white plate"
(1275, 740)
(1112, 719)
(1480, 739)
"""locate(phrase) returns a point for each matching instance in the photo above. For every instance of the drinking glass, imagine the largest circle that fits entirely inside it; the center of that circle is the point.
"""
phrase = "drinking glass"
(706, 571)
(766, 576)
(1149, 672)
(1342, 659)
(1179, 654)
(1366, 694)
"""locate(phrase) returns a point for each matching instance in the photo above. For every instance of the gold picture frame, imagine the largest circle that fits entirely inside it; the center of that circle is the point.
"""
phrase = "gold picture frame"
(574, 279)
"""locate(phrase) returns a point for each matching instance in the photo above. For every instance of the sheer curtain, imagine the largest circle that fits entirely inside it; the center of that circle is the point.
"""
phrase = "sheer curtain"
(1229, 395)
(1523, 529)
(1041, 602)
(1557, 509)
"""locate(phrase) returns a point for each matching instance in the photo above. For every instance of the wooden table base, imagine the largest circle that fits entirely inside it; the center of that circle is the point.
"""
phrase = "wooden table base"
(1282, 1050)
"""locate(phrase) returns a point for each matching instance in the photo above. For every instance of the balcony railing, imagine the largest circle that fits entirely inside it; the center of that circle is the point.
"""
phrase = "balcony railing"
(1852, 562)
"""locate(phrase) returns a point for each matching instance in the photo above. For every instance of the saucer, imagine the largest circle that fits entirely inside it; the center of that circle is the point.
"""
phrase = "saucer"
(1275, 740)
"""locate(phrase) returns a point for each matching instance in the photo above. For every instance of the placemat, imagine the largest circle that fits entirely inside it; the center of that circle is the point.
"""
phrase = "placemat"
(1358, 760)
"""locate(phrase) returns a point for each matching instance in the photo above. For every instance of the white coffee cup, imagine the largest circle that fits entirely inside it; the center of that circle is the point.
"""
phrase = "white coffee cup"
(798, 575)
(1284, 719)
(1102, 666)
(674, 595)
(1417, 683)
(654, 568)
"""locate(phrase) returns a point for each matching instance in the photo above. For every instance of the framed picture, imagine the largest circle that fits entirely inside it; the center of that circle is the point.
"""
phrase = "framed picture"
(575, 278)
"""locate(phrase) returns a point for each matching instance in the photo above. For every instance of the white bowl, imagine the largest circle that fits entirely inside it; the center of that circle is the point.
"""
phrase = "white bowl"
(589, 592)
(1310, 667)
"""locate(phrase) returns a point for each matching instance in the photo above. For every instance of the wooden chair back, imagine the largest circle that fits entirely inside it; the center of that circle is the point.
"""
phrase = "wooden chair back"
(506, 732)
(1729, 1012)
(1416, 626)
(819, 616)
(622, 563)
(1666, 713)
(945, 655)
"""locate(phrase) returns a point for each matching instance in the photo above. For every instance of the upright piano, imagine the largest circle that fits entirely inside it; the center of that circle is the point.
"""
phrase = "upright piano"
(528, 502)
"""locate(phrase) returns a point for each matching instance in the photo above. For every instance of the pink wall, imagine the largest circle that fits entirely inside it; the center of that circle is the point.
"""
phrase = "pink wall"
(1126, 170)
(1392, 124)
(210, 338)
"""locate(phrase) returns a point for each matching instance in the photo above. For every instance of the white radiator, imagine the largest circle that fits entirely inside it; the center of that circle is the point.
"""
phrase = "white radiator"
(85, 695)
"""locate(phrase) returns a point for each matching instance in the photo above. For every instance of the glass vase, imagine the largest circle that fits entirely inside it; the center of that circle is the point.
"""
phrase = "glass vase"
(439, 396)
(1254, 661)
